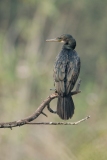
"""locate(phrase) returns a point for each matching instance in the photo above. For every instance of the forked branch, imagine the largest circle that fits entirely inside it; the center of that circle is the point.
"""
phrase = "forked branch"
(32, 117)
(40, 111)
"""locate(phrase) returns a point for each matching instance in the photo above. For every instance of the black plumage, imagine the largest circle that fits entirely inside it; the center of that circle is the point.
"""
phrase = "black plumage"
(66, 72)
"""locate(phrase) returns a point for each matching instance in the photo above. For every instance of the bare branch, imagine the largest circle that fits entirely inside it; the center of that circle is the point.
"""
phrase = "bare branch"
(44, 114)
(40, 111)
(60, 123)
(50, 110)
(32, 117)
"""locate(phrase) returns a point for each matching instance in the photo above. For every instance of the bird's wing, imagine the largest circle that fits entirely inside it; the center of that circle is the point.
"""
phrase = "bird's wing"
(59, 76)
(65, 75)
(72, 74)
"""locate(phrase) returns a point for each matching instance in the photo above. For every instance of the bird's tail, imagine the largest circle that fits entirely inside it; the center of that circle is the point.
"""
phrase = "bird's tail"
(65, 107)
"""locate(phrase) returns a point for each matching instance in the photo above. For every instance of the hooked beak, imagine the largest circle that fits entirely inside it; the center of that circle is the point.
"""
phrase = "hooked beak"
(55, 40)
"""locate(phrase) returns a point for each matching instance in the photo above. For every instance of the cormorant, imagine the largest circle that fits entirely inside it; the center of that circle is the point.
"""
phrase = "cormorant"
(66, 72)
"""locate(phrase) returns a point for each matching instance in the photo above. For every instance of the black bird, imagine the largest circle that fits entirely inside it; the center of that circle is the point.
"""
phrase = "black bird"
(66, 72)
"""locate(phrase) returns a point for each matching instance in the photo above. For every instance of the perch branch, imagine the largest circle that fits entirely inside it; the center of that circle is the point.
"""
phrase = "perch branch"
(32, 117)
(40, 111)
(60, 123)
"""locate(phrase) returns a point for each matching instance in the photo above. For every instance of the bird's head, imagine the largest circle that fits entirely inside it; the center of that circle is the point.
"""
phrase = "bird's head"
(67, 39)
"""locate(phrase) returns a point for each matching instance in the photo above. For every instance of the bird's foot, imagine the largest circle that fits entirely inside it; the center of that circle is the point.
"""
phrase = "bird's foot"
(53, 89)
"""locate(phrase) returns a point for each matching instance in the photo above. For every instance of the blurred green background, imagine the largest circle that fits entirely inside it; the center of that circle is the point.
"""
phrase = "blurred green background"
(26, 76)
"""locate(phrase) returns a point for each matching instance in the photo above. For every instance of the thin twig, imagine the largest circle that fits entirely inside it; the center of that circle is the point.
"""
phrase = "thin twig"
(60, 123)
(44, 114)
(51, 110)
